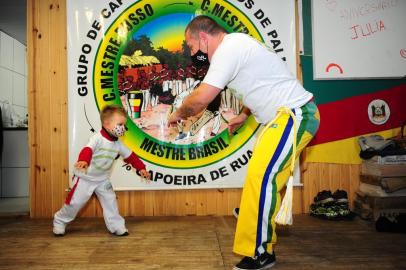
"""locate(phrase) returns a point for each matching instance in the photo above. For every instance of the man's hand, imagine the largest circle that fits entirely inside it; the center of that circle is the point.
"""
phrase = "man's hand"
(173, 119)
(194, 103)
(145, 174)
(236, 122)
(81, 165)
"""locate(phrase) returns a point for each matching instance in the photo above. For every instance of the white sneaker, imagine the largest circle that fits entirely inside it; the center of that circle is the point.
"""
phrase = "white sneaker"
(58, 231)
(121, 232)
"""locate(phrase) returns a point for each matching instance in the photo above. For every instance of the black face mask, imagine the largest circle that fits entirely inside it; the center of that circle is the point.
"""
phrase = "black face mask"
(200, 58)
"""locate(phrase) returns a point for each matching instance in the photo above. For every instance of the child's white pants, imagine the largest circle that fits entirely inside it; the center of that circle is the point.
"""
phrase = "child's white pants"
(78, 197)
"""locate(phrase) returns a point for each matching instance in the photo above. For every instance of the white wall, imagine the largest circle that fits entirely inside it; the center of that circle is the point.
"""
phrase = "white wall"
(13, 102)
(14, 164)
(13, 81)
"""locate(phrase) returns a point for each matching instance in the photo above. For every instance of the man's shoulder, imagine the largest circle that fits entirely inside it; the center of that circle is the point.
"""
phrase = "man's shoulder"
(239, 36)
(236, 41)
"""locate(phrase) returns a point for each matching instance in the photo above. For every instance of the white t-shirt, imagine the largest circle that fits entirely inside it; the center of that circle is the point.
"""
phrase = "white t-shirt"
(255, 75)
(104, 153)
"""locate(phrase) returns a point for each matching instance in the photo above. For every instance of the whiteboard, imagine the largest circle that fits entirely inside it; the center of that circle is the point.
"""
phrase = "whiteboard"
(359, 39)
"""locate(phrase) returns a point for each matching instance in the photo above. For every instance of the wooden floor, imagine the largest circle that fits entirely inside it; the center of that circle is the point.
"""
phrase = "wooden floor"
(193, 243)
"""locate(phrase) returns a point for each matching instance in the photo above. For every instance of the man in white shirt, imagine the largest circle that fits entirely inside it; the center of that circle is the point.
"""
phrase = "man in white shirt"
(261, 80)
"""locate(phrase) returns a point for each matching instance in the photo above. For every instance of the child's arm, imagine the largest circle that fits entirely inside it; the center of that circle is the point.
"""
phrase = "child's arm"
(132, 159)
(145, 174)
(137, 164)
(86, 154)
(84, 158)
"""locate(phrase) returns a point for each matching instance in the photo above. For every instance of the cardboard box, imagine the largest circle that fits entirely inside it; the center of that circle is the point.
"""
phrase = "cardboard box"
(371, 208)
(388, 184)
(382, 202)
(369, 167)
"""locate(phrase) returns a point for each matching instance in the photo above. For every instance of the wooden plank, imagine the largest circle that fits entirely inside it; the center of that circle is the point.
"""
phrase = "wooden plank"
(43, 101)
(58, 101)
(297, 207)
(31, 88)
(299, 74)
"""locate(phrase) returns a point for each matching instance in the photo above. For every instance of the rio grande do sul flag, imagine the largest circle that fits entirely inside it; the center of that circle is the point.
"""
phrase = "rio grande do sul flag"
(342, 122)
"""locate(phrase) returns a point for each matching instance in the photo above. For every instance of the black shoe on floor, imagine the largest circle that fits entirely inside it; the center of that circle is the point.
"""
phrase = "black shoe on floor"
(340, 196)
(264, 261)
(324, 197)
(236, 212)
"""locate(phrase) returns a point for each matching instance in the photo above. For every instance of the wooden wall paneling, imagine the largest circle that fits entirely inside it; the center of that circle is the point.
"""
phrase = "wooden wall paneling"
(123, 201)
(201, 204)
(167, 205)
(190, 202)
(33, 101)
(297, 207)
(321, 176)
(58, 105)
(310, 185)
(298, 52)
(234, 199)
(134, 203)
(47, 94)
(210, 198)
(334, 177)
(354, 178)
(45, 159)
(31, 82)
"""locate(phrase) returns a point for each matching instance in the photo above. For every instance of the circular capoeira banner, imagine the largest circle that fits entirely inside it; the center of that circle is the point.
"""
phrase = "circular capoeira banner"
(133, 54)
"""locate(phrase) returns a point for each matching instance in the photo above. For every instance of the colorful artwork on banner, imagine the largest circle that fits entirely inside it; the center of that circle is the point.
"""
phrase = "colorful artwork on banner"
(134, 55)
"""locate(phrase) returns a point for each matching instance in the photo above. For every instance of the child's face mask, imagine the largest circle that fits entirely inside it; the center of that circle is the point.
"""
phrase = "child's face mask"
(118, 130)
(116, 125)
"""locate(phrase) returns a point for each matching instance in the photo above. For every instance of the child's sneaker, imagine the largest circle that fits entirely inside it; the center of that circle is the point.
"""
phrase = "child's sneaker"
(121, 232)
(236, 212)
(264, 261)
(58, 231)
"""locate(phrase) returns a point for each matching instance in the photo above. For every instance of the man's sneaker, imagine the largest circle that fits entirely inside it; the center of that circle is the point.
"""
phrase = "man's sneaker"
(331, 212)
(343, 210)
(121, 232)
(340, 196)
(324, 197)
(236, 212)
(322, 211)
(264, 261)
(58, 231)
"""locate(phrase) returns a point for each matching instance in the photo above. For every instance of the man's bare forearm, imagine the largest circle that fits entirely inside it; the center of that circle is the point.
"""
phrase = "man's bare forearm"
(185, 111)
(197, 101)
(190, 107)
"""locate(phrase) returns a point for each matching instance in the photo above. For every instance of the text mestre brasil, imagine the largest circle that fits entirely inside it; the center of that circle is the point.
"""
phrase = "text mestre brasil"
(183, 153)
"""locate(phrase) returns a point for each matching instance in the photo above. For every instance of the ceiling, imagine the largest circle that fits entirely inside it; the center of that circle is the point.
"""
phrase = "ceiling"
(13, 19)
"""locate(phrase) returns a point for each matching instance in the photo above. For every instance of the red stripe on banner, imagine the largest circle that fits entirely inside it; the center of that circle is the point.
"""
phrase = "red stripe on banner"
(349, 117)
(136, 108)
(70, 195)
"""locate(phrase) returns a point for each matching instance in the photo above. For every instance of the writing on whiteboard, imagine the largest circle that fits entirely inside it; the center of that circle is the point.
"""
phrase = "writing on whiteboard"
(403, 53)
(334, 65)
(367, 29)
(367, 8)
